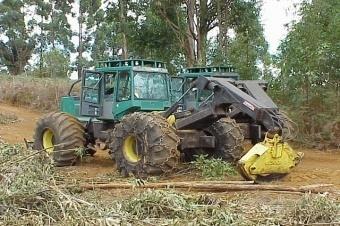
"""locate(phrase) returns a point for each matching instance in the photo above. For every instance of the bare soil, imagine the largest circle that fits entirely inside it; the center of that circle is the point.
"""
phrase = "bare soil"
(23, 128)
(317, 167)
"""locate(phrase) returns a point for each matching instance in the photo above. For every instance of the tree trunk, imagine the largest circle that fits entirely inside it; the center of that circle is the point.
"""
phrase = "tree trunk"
(123, 15)
(53, 27)
(223, 10)
(124, 47)
(189, 52)
(200, 19)
(202, 28)
(337, 109)
(248, 61)
(15, 69)
(191, 34)
(41, 60)
(80, 47)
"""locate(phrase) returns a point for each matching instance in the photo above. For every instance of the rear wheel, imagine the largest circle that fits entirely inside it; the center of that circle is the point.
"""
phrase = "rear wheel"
(59, 134)
(144, 144)
(228, 141)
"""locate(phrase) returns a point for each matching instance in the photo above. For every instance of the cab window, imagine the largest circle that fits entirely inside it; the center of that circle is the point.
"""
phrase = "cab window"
(191, 96)
(124, 86)
(151, 86)
(177, 84)
(109, 84)
(91, 87)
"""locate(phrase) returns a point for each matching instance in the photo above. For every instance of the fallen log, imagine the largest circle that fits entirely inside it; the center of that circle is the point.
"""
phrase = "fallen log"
(92, 181)
(223, 186)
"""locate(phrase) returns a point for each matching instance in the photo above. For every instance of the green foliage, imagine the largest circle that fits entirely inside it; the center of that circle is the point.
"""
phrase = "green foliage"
(90, 15)
(308, 58)
(57, 30)
(23, 175)
(211, 168)
(152, 29)
(158, 204)
(56, 64)
(310, 54)
(33, 193)
(29, 196)
(16, 46)
(105, 41)
(175, 209)
(151, 34)
(248, 48)
(312, 209)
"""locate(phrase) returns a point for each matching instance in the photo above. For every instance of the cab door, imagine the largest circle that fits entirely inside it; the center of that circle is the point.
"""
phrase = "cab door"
(91, 94)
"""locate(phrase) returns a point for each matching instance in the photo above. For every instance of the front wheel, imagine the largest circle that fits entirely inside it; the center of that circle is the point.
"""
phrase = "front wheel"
(59, 134)
(144, 144)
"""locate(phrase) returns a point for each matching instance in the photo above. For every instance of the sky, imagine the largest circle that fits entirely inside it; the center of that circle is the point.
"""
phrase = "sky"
(274, 15)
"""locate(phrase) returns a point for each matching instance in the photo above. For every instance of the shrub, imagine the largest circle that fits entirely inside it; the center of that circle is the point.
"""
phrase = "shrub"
(157, 204)
(312, 209)
(174, 208)
(211, 168)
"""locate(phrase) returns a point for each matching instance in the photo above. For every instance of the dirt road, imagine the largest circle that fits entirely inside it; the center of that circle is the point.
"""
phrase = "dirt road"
(316, 167)
(23, 128)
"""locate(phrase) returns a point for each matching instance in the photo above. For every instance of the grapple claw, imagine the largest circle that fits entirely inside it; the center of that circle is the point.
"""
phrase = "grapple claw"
(270, 157)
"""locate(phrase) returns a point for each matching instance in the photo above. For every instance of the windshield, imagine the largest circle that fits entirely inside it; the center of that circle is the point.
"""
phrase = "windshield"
(150, 86)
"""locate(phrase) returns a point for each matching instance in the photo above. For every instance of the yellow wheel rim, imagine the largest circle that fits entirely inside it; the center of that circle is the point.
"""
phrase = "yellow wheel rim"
(130, 149)
(48, 141)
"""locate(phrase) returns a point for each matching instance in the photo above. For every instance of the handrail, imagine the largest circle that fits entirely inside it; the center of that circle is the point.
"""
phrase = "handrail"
(73, 84)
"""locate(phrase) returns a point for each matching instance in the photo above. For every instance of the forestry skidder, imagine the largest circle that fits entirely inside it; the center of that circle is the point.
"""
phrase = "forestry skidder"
(130, 108)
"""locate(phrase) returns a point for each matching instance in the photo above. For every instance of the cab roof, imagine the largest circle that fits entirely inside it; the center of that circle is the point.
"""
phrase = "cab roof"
(213, 71)
(130, 63)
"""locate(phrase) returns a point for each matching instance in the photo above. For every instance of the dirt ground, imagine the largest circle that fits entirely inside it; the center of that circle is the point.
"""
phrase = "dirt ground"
(316, 167)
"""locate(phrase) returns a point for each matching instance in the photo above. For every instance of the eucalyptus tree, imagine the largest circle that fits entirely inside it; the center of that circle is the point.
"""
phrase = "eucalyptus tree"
(309, 57)
(87, 21)
(16, 45)
(52, 27)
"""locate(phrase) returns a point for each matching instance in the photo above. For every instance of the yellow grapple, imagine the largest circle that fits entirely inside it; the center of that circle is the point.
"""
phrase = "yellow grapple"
(268, 158)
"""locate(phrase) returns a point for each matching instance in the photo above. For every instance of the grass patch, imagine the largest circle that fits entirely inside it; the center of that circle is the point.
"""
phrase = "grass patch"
(211, 168)
(6, 119)
(312, 209)
(174, 208)
(29, 196)
(37, 93)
